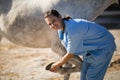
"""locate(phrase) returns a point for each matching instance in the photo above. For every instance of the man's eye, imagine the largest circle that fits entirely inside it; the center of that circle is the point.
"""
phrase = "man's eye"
(49, 24)
(52, 22)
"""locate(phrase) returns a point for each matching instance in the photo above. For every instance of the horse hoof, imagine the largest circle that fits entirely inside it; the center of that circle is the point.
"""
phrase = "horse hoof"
(49, 66)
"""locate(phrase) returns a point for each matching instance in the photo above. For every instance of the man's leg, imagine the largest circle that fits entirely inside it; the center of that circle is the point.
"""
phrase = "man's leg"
(84, 69)
(99, 65)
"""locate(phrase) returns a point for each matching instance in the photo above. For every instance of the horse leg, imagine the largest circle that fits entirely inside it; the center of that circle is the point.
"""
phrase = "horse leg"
(67, 75)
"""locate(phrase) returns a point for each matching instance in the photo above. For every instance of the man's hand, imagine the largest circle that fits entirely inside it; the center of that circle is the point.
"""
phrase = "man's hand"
(64, 59)
(55, 66)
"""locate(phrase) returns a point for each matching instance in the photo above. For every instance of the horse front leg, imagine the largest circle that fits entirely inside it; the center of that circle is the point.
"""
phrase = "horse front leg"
(57, 47)
(60, 50)
(67, 75)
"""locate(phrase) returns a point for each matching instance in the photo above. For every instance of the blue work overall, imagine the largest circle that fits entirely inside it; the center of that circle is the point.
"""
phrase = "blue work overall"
(94, 42)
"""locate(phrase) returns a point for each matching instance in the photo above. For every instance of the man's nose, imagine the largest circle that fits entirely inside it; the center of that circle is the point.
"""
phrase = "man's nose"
(52, 26)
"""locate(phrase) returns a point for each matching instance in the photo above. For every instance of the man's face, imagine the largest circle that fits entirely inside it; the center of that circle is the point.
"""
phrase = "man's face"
(54, 22)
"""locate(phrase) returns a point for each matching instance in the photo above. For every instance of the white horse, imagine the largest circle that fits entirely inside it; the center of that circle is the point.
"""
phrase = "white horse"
(22, 22)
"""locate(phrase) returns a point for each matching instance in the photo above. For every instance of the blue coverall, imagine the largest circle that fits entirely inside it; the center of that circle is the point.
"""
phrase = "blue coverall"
(94, 42)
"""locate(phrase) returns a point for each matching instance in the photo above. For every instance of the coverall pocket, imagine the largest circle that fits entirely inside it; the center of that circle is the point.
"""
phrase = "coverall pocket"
(89, 58)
